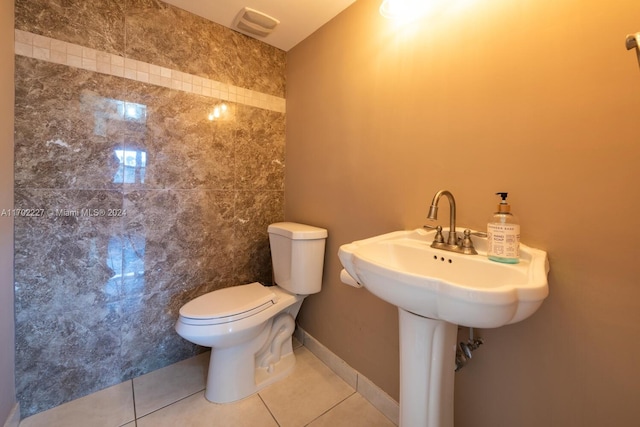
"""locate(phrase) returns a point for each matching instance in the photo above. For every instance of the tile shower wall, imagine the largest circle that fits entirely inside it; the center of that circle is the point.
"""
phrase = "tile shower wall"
(146, 202)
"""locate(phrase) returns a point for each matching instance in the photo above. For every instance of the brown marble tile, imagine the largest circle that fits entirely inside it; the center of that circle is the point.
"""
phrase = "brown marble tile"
(164, 35)
(68, 126)
(149, 328)
(70, 257)
(67, 285)
(97, 297)
(177, 239)
(182, 148)
(97, 24)
(61, 356)
(255, 210)
(260, 144)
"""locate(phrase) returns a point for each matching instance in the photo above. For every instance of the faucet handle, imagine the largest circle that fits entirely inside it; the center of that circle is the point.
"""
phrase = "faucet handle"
(438, 237)
(467, 243)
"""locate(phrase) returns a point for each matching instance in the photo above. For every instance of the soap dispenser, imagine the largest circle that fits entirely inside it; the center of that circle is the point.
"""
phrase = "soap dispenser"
(503, 234)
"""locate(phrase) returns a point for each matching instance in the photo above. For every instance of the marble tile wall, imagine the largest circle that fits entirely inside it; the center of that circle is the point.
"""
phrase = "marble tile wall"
(140, 202)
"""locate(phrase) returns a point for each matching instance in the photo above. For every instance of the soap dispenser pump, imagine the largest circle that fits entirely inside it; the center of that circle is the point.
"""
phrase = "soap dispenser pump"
(503, 234)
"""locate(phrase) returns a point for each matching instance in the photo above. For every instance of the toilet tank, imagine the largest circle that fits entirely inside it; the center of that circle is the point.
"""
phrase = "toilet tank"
(297, 255)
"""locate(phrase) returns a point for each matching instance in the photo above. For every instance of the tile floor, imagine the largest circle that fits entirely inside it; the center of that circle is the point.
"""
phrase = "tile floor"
(313, 395)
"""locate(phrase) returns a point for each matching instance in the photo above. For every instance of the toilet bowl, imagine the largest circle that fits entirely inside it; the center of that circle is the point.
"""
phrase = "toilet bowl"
(249, 327)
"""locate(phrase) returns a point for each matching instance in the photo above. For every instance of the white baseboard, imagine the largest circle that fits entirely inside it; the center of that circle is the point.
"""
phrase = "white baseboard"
(13, 420)
(374, 394)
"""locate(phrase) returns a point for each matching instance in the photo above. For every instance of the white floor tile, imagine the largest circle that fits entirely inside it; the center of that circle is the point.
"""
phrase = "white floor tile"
(310, 390)
(355, 411)
(110, 407)
(196, 411)
(160, 388)
(312, 395)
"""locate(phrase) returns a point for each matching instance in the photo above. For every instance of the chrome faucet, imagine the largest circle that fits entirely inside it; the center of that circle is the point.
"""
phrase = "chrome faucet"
(454, 244)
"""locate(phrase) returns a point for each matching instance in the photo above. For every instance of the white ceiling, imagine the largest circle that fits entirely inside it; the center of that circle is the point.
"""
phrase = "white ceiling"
(298, 18)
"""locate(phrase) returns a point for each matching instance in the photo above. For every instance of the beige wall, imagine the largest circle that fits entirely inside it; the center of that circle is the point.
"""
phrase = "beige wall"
(7, 383)
(538, 98)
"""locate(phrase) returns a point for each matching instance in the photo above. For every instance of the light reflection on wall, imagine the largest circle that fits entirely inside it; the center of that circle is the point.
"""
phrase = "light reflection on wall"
(106, 112)
(114, 262)
(219, 112)
(134, 163)
(109, 109)
(125, 254)
(132, 111)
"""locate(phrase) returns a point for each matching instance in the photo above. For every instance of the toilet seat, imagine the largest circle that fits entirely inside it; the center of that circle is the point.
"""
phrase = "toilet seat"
(228, 304)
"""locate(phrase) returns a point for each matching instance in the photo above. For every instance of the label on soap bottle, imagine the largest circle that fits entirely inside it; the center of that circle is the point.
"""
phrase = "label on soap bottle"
(503, 240)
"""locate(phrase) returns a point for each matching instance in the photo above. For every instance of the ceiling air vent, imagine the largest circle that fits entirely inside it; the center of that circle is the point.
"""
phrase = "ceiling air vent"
(253, 22)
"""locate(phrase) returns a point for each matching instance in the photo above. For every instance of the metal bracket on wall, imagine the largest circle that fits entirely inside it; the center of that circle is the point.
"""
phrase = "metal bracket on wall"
(633, 42)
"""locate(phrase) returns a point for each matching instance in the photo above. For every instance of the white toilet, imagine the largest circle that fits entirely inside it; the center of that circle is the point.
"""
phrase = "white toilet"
(249, 327)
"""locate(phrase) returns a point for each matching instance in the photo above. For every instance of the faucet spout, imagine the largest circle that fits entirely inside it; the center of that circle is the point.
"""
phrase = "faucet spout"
(463, 245)
(433, 214)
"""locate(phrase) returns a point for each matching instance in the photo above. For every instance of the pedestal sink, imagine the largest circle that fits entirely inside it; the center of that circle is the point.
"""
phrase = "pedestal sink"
(435, 291)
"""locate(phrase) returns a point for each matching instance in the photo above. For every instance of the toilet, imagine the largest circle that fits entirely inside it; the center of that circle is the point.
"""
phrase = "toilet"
(249, 327)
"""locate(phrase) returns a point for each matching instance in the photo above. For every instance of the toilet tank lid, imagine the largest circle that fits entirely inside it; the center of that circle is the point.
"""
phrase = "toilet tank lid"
(296, 231)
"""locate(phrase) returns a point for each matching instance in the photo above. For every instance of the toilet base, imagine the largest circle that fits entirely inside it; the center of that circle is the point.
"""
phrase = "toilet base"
(281, 370)
(227, 385)
(242, 370)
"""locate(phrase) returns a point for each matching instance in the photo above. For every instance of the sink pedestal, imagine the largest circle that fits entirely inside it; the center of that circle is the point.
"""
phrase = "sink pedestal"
(427, 369)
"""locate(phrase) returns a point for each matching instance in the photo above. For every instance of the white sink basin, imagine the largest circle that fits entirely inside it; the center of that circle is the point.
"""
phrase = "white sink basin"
(470, 290)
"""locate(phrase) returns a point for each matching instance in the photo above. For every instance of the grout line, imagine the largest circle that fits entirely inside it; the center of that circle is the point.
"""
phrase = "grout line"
(374, 395)
(331, 408)
(133, 396)
(268, 409)
(169, 404)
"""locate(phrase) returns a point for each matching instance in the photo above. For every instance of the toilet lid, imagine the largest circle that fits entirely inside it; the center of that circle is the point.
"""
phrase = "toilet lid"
(229, 304)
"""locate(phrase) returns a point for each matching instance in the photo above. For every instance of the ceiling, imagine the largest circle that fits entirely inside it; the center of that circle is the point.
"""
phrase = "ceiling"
(298, 18)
